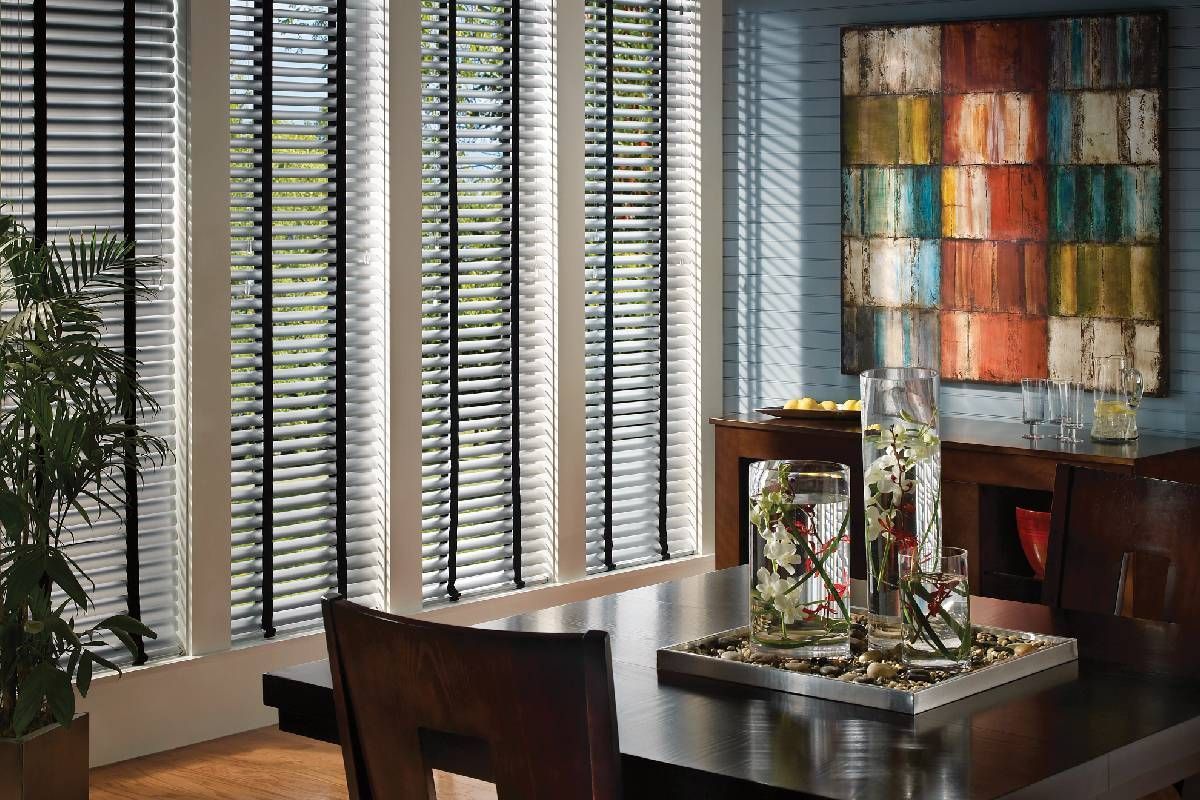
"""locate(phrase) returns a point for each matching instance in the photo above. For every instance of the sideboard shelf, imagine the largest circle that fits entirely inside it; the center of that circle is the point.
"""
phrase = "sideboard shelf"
(987, 469)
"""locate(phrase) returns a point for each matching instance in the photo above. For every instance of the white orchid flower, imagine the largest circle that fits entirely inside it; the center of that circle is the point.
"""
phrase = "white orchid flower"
(885, 463)
(789, 606)
(887, 486)
(781, 550)
(770, 585)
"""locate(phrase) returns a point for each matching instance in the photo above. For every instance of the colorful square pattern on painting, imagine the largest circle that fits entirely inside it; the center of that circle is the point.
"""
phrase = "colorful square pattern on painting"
(1002, 197)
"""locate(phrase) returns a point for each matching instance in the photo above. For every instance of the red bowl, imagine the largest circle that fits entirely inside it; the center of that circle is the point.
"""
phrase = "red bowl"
(1033, 528)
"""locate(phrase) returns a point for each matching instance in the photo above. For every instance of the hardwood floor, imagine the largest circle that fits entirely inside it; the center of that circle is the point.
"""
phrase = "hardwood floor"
(258, 765)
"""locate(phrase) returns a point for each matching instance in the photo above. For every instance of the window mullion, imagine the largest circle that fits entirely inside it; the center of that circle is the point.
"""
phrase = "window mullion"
(570, 400)
(404, 306)
(709, 362)
(203, 325)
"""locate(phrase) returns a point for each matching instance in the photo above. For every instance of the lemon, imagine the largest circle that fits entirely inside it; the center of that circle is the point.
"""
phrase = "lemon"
(1113, 407)
(791, 405)
(829, 405)
(808, 404)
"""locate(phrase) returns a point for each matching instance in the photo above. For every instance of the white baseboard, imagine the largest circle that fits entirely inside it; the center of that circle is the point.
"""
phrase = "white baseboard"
(167, 705)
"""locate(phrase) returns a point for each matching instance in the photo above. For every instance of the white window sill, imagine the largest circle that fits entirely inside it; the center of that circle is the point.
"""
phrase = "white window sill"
(474, 610)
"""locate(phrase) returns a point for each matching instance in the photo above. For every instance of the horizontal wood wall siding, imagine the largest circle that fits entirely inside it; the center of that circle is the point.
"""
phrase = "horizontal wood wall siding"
(782, 217)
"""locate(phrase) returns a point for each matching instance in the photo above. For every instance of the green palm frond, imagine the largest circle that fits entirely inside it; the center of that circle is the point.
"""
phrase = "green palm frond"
(70, 405)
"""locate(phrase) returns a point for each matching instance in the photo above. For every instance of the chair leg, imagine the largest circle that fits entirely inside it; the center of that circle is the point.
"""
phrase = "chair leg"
(1190, 788)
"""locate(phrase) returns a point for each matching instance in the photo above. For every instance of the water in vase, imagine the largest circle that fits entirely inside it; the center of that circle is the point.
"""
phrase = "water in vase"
(799, 515)
(936, 619)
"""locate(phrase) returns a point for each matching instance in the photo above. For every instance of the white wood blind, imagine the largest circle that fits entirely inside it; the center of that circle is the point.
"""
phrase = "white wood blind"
(485, 299)
(641, 291)
(104, 75)
(306, 160)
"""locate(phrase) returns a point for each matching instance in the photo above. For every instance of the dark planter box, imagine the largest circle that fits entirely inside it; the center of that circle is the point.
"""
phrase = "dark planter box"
(49, 764)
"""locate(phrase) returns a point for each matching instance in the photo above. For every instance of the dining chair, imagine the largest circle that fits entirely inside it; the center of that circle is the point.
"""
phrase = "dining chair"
(1124, 545)
(534, 712)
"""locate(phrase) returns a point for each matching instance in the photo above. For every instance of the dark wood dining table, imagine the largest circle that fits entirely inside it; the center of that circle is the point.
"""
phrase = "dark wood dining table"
(1122, 722)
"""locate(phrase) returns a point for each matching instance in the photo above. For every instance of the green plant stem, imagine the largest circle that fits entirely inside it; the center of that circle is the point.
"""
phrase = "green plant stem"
(819, 568)
(820, 563)
(885, 561)
(924, 628)
(962, 633)
(937, 505)
(913, 587)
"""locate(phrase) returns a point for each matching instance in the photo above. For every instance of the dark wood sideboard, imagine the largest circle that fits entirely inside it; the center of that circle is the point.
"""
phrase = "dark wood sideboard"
(988, 470)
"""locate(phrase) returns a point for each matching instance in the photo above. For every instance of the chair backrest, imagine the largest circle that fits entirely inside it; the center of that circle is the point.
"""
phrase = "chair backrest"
(1124, 545)
(538, 706)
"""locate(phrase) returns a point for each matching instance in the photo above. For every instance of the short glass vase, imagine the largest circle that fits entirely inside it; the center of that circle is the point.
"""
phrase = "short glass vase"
(800, 559)
(935, 600)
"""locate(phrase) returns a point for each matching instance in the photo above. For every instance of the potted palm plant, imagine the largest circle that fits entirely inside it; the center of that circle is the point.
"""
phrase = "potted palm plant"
(66, 444)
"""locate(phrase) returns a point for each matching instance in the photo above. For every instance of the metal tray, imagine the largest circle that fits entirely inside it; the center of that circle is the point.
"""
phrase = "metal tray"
(677, 660)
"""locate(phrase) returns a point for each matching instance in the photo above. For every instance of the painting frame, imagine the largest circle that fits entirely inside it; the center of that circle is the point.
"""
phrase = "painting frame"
(1160, 384)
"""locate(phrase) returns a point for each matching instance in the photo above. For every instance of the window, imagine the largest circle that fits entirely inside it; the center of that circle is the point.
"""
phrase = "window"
(307, 166)
(90, 139)
(485, 115)
(641, 289)
(488, 294)
(87, 141)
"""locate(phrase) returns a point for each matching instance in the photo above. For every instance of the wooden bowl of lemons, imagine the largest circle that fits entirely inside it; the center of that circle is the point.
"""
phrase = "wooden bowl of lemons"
(809, 408)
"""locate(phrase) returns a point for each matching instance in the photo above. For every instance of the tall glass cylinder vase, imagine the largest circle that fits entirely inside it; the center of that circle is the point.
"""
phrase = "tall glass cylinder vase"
(800, 535)
(902, 481)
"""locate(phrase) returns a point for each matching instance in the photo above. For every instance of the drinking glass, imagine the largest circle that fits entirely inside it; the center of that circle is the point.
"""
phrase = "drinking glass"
(800, 546)
(1070, 407)
(1033, 405)
(1054, 408)
(936, 608)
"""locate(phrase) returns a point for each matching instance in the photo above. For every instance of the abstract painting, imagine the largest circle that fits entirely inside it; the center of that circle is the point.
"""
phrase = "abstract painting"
(1003, 197)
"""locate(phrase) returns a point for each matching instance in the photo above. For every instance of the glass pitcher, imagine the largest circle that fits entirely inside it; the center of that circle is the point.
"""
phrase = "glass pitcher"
(1118, 395)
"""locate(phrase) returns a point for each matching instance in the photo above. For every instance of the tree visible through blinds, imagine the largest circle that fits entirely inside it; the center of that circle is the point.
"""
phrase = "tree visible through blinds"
(485, 171)
(639, 341)
(307, 430)
(87, 142)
